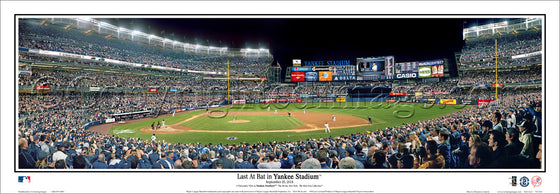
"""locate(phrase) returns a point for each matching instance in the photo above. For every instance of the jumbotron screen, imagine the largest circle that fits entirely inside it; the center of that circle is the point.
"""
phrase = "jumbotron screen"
(375, 68)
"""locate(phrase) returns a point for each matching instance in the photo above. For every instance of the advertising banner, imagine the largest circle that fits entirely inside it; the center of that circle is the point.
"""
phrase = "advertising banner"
(325, 76)
(238, 102)
(311, 76)
(466, 101)
(45, 88)
(437, 71)
(390, 101)
(406, 75)
(288, 100)
(173, 90)
(267, 101)
(479, 102)
(398, 94)
(152, 90)
(341, 99)
(344, 78)
(430, 63)
(296, 63)
(499, 85)
(418, 94)
(327, 100)
(298, 76)
(94, 89)
(301, 69)
(448, 101)
(345, 70)
(424, 72)
(109, 120)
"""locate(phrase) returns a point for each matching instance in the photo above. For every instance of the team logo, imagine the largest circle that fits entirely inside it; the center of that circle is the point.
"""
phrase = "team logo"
(231, 138)
(21, 179)
(513, 181)
(536, 181)
(524, 181)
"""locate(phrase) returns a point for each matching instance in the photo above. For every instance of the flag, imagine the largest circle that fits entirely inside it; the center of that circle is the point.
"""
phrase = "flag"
(278, 64)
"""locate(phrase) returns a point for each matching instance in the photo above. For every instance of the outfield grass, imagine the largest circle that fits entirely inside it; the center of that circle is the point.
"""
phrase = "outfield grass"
(258, 123)
(383, 115)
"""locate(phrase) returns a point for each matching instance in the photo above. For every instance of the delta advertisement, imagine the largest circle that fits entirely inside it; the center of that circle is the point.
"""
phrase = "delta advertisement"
(424, 72)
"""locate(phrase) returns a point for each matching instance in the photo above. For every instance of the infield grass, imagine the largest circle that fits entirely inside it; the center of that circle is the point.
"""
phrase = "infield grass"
(257, 123)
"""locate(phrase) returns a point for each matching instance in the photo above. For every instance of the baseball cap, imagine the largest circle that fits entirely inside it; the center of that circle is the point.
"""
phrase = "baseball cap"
(42, 155)
(351, 150)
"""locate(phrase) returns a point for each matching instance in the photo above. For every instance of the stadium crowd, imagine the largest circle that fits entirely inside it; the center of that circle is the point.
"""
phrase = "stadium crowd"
(508, 45)
(56, 38)
(52, 132)
(501, 134)
(477, 78)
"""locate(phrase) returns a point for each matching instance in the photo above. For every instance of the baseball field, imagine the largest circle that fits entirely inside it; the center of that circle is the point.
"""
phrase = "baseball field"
(256, 122)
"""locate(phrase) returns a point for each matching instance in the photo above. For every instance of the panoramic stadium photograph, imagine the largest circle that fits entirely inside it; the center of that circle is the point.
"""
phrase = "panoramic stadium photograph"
(279, 93)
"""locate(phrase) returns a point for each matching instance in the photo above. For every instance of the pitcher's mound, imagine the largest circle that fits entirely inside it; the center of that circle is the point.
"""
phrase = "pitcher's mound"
(239, 121)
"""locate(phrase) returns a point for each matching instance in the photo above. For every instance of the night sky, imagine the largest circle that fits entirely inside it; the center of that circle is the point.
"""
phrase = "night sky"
(411, 39)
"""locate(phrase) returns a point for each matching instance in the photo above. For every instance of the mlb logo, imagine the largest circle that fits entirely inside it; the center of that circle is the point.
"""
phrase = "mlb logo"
(21, 179)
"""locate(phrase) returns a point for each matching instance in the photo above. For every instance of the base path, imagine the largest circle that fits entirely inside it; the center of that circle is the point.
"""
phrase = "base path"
(313, 121)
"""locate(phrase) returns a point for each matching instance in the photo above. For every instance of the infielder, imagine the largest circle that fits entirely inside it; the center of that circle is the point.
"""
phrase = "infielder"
(327, 128)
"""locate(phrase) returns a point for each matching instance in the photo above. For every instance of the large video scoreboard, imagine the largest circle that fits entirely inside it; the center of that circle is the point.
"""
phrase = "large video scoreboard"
(375, 68)
(370, 68)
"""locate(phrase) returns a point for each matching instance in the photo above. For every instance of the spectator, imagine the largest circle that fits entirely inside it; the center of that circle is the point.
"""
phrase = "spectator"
(25, 159)
(526, 137)
(271, 164)
(311, 163)
(480, 156)
(100, 162)
(347, 163)
(434, 160)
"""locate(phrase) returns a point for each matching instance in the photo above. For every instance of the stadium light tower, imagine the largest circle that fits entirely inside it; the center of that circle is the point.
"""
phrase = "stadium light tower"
(134, 33)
